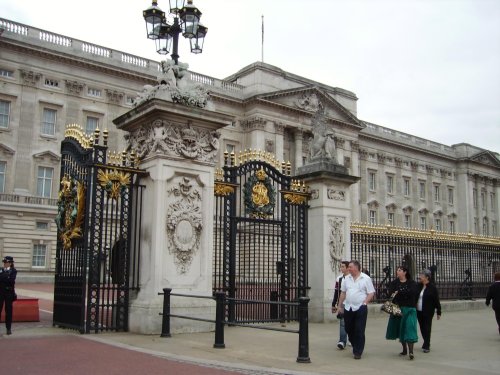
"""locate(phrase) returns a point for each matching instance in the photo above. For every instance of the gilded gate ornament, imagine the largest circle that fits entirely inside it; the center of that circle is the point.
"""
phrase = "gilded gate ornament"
(260, 195)
(70, 211)
(113, 182)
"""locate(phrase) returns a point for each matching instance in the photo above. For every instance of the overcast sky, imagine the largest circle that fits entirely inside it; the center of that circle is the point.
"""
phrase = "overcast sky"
(429, 68)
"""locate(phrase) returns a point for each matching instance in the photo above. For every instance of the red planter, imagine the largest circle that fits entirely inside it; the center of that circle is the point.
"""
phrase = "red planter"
(24, 310)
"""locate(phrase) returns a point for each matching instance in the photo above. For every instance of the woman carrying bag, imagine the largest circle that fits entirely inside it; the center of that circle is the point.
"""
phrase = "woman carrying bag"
(404, 327)
(8, 275)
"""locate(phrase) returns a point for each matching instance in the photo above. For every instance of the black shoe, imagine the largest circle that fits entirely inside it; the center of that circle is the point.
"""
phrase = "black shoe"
(411, 356)
(357, 356)
(403, 354)
(425, 350)
(9, 332)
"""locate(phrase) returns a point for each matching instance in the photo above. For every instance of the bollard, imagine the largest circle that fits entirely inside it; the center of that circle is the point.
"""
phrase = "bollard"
(303, 356)
(220, 299)
(165, 323)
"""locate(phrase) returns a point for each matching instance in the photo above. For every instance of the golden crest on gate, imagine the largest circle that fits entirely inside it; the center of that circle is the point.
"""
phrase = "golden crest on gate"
(260, 195)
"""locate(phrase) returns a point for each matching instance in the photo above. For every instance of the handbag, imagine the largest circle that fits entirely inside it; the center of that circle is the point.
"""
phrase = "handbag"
(391, 308)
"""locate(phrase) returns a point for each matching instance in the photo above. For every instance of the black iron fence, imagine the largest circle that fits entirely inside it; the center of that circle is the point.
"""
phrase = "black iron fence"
(462, 264)
(220, 321)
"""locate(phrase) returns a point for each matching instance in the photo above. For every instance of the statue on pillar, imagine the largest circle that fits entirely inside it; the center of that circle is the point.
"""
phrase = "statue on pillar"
(323, 142)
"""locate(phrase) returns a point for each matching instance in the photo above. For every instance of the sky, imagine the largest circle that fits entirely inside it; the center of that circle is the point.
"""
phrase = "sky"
(430, 68)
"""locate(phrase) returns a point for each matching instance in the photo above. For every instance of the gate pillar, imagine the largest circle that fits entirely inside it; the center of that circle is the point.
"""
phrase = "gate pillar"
(329, 234)
(177, 144)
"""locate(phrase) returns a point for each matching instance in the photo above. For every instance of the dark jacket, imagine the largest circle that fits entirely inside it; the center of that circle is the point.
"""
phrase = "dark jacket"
(336, 295)
(407, 292)
(430, 299)
(494, 294)
(7, 280)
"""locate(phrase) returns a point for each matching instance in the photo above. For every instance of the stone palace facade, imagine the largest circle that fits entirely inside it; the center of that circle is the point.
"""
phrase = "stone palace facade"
(48, 81)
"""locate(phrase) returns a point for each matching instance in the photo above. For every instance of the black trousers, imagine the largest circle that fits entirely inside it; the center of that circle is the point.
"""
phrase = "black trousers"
(7, 299)
(425, 323)
(355, 324)
(497, 315)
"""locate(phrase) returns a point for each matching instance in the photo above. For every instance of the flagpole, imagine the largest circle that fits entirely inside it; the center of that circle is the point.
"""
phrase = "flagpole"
(262, 44)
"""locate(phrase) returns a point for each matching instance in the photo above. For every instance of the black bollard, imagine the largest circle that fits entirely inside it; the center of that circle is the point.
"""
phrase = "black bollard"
(303, 356)
(165, 323)
(220, 299)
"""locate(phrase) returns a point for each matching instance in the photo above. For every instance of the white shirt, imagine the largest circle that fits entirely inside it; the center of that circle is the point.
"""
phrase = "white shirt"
(356, 290)
(420, 299)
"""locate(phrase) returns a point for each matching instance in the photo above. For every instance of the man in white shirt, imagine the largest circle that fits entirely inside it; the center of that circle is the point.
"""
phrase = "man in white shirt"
(356, 292)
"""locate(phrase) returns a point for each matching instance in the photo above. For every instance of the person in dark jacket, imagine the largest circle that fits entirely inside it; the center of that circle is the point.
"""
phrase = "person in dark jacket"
(7, 292)
(404, 327)
(427, 304)
(494, 294)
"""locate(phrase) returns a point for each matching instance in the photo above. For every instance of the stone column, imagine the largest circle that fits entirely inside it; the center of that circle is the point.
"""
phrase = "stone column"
(279, 130)
(178, 146)
(299, 136)
(329, 232)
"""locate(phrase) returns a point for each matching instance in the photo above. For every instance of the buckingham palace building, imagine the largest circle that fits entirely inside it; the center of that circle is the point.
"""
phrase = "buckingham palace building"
(48, 81)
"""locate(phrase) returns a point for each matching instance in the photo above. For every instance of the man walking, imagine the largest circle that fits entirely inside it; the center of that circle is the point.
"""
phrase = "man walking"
(336, 296)
(356, 292)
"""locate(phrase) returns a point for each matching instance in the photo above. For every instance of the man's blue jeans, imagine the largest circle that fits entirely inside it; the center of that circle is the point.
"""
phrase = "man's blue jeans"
(342, 332)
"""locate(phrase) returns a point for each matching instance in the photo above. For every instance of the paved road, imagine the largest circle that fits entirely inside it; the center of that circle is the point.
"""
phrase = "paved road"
(463, 342)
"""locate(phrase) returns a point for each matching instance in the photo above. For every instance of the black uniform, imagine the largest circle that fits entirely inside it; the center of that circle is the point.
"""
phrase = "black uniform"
(430, 305)
(494, 294)
(7, 293)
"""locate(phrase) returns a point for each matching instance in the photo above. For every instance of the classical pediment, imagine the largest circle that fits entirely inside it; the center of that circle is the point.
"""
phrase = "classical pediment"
(486, 157)
(47, 155)
(6, 149)
(309, 99)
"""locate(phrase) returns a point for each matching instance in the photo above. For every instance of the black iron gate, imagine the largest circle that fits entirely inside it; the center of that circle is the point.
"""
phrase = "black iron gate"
(97, 258)
(260, 237)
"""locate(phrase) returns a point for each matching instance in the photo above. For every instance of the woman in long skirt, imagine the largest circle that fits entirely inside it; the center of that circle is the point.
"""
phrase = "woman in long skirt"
(404, 327)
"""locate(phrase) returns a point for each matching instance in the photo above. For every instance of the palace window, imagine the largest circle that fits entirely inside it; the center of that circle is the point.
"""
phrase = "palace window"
(44, 182)
(4, 114)
(476, 225)
(42, 225)
(452, 226)
(474, 197)
(493, 201)
(483, 199)
(51, 82)
(372, 217)
(6, 73)
(450, 196)
(485, 226)
(407, 221)
(437, 224)
(390, 184)
(421, 189)
(372, 181)
(390, 218)
(406, 187)
(91, 124)
(436, 193)
(39, 258)
(494, 228)
(49, 121)
(3, 167)
(94, 92)
(423, 222)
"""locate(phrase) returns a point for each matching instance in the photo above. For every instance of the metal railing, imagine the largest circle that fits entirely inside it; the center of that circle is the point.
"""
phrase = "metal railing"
(221, 302)
(39, 201)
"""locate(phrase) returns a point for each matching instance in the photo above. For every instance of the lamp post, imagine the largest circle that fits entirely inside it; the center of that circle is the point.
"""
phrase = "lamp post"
(186, 21)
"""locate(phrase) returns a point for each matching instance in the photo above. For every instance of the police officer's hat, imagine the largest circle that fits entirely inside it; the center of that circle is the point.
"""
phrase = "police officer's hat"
(7, 259)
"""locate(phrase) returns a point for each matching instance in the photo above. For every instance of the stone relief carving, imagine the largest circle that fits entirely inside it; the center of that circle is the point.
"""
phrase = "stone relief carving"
(254, 123)
(174, 140)
(314, 194)
(29, 77)
(174, 85)
(269, 146)
(184, 223)
(336, 241)
(74, 87)
(309, 102)
(323, 142)
(336, 195)
(114, 96)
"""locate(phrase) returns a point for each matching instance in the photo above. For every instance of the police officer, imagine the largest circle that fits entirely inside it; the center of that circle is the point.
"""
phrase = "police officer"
(7, 293)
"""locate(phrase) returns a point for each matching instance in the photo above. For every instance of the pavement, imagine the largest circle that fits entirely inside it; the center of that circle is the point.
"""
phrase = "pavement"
(463, 342)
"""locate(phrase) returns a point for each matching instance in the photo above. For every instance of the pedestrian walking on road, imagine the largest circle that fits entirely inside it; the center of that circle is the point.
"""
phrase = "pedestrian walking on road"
(494, 294)
(356, 292)
(428, 303)
(8, 275)
(404, 327)
(344, 269)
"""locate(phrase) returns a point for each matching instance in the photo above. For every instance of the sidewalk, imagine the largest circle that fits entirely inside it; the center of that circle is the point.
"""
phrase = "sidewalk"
(463, 342)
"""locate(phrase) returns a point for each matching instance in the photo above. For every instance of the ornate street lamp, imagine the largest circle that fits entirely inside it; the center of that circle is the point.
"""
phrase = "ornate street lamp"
(166, 36)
